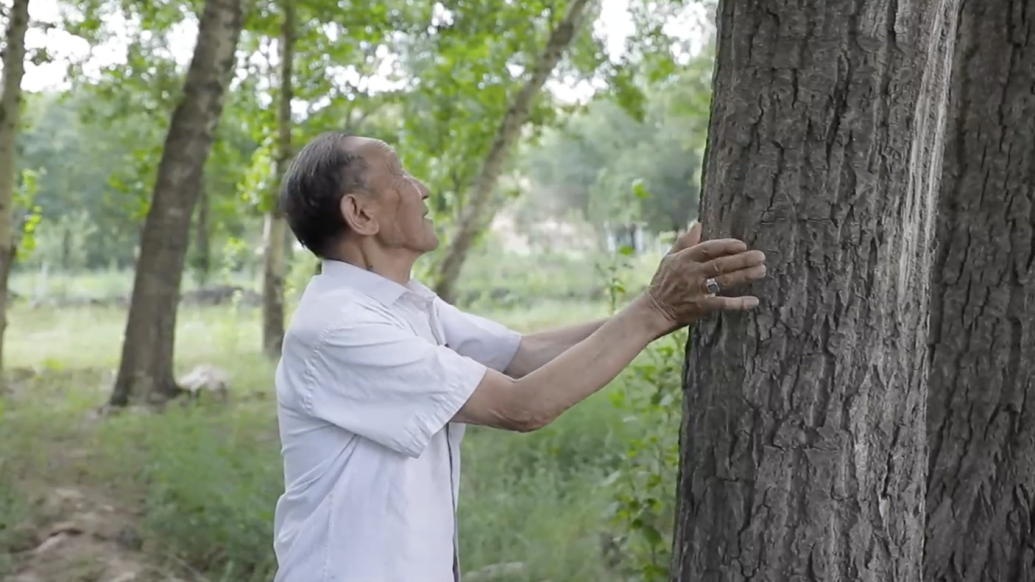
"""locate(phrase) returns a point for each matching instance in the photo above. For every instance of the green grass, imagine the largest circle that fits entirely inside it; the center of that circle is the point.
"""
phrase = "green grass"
(203, 480)
(105, 283)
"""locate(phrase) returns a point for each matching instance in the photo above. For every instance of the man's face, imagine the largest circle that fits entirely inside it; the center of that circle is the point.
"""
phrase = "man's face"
(398, 199)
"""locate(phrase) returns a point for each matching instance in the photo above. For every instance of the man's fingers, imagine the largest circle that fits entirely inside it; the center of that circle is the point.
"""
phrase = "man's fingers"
(688, 238)
(711, 249)
(732, 263)
(719, 303)
(730, 280)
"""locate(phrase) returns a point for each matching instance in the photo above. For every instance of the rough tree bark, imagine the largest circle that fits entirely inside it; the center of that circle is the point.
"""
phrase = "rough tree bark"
(10, 107)
(146, 369)
(802, 445)
(981, 426)
(476, 213)
(275, 229)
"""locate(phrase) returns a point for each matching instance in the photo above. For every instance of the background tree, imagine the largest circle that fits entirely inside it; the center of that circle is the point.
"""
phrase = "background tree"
(146, 368)
(980, 421)
(276, 231)
(477, 211)
(10, 114)
(803, 442)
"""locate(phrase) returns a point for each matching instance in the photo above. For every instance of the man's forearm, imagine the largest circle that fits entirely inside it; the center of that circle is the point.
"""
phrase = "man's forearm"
(538, 349)
(588, 366)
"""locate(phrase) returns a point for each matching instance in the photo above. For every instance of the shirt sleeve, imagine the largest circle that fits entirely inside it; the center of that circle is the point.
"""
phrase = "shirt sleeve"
(480, 339)
(377, 379)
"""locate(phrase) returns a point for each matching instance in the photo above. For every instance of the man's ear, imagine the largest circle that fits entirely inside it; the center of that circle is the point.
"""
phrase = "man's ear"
(357, 210)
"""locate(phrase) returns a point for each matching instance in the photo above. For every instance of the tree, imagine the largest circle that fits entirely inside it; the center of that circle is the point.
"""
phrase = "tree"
(146, 368)
(802, 445)
(980, 422)
(275, 231)
(477, 211)
(10, 108)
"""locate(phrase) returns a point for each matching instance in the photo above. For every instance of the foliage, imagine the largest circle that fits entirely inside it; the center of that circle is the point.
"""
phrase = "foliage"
(642, 483)
(12, 506)
(437, 92)
(610, 168)
(12, 513)
(74, 181)
(210, 504)
(27, 212)
(467, 68)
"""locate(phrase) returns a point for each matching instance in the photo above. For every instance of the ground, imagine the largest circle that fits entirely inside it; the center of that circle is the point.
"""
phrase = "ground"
(69, 530)
(80, 536)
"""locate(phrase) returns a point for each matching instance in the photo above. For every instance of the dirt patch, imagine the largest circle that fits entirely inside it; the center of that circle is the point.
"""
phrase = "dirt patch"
(79, 536)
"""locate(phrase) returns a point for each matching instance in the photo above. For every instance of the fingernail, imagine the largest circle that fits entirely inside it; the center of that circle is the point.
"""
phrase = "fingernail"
(752, 302)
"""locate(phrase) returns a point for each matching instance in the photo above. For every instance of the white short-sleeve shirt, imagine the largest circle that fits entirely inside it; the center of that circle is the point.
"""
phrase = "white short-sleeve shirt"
(370, 375)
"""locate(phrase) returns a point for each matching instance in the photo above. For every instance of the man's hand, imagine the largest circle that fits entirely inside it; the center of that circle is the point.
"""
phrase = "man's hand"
(678, 291)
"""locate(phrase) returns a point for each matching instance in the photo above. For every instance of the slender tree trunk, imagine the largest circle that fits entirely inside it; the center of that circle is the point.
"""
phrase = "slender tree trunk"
(146, 370)
(66, 249)
(202, 238)
(275, 229)
(274, 235)
(10, 109)
(981, 426)
(477, 212)
(803, 446)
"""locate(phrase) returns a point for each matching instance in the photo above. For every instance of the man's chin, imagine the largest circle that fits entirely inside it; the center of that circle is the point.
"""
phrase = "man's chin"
(432, 241)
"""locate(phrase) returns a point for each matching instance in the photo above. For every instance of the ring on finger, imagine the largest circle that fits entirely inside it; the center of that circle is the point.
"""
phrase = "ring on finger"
(712, 286)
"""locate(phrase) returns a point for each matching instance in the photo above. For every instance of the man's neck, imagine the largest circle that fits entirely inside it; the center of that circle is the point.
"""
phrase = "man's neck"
(395, 266)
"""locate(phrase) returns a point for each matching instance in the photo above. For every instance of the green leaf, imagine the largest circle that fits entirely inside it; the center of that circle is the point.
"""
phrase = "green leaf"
(651, 534)
(610, 479)
(639, 190)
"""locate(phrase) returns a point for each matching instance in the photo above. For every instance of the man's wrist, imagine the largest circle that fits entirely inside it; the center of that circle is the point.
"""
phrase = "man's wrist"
(645, 310)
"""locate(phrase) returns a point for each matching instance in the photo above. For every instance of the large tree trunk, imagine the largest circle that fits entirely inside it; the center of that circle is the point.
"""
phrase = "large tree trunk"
(981, 427)
(803, 446)
(477, 212)
(275, 230)
(10, 107)
(146, 370)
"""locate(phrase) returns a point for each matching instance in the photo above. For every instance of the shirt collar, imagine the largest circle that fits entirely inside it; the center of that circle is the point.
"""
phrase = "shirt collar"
(372, 284)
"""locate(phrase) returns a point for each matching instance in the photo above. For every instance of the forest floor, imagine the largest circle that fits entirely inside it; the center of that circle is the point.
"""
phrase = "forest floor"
(81, 536)
(65, 528)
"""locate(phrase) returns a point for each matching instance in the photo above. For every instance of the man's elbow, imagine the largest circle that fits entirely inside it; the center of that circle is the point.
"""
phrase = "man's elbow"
(530, 424)
(505, 403)
(525, 420)
(524, 425)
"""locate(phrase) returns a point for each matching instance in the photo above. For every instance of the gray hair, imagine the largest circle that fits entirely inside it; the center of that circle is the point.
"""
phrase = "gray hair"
(322, 173)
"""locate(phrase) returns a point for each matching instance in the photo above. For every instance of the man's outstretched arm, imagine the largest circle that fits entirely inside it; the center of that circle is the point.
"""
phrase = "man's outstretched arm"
(674, 299)
(538, 349)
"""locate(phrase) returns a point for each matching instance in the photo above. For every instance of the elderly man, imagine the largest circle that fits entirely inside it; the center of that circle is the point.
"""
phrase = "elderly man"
(379, 376)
